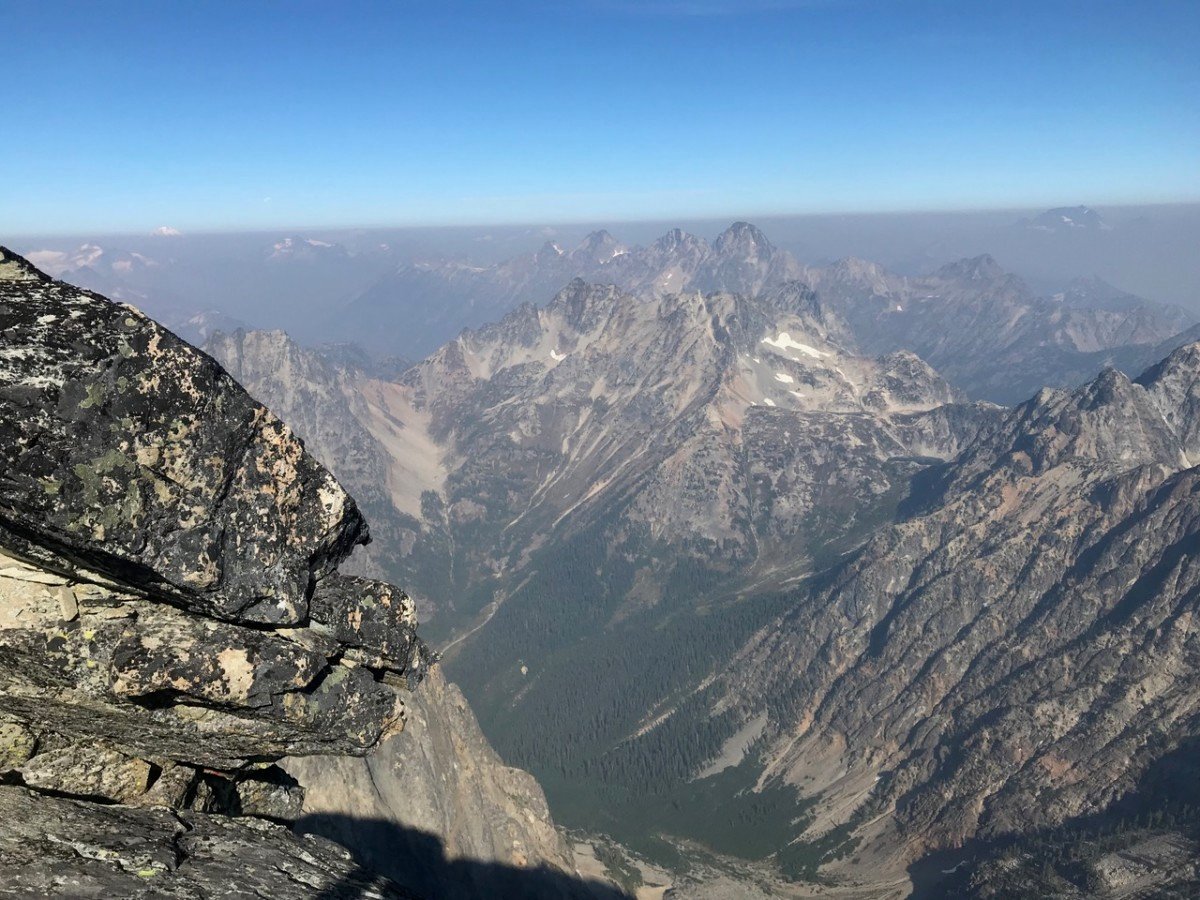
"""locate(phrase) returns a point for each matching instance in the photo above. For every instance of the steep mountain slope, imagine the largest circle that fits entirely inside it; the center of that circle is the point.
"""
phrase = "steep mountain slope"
(984, 329)
(1016, 654)
(441, 783)
(675, 408)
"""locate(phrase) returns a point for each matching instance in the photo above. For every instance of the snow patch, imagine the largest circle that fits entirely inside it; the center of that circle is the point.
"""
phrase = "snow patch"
(784, 379)
(556, 356)
(783, 341)
(768, 401)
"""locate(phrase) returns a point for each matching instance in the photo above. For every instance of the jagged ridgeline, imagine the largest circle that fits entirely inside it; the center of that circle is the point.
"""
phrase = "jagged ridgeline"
(171, 617)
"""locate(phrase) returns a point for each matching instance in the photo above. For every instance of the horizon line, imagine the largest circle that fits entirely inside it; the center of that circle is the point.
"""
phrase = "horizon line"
(586, 222)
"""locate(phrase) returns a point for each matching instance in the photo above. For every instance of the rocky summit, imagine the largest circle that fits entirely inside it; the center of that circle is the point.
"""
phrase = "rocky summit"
(171, 617)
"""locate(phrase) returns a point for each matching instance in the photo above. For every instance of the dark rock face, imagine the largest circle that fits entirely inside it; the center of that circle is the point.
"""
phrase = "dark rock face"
(314, 392)
(171, 621)
(55, 847)
(130, 453)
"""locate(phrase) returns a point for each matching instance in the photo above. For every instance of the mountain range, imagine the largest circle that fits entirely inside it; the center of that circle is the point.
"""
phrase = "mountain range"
(983, 327)
(747, 583)
(1068, 218)
(720, 577)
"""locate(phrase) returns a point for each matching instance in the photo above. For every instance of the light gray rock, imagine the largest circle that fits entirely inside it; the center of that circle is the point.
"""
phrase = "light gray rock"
(88, 771)
(440, 779)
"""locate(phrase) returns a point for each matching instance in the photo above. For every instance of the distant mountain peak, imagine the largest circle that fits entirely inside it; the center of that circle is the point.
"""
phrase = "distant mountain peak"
(977, 268)
(1068, 218)
(598, 238)
(548, 251)
(856, 268)
(676, 238)
(1092, 281)
(742, 238)
(598, 247)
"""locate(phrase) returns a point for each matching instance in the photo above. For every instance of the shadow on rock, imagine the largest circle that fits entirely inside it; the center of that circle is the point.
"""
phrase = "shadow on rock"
(416, 861)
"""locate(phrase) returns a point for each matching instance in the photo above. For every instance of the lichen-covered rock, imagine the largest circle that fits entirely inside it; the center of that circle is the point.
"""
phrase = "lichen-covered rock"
(171, 788)
(190, 688)
(369, 616)
(87, 770)
(269, 794)
(170, 616)
(17, 743)
(152, 466)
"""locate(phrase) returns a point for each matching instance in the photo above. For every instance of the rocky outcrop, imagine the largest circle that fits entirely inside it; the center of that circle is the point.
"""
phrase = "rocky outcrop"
(61, 847)
(171, 617)
(319, 396)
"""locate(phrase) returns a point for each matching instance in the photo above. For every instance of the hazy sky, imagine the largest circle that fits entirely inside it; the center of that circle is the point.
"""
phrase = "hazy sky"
(207, 115)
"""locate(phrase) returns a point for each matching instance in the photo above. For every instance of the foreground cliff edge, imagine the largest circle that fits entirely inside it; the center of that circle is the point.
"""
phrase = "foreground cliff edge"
(172, 621)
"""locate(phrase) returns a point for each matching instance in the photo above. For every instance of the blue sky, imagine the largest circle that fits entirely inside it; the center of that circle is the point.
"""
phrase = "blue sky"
(121, 116)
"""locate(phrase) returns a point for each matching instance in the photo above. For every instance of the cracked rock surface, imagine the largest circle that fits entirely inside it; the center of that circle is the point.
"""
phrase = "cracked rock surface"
(171, 618)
